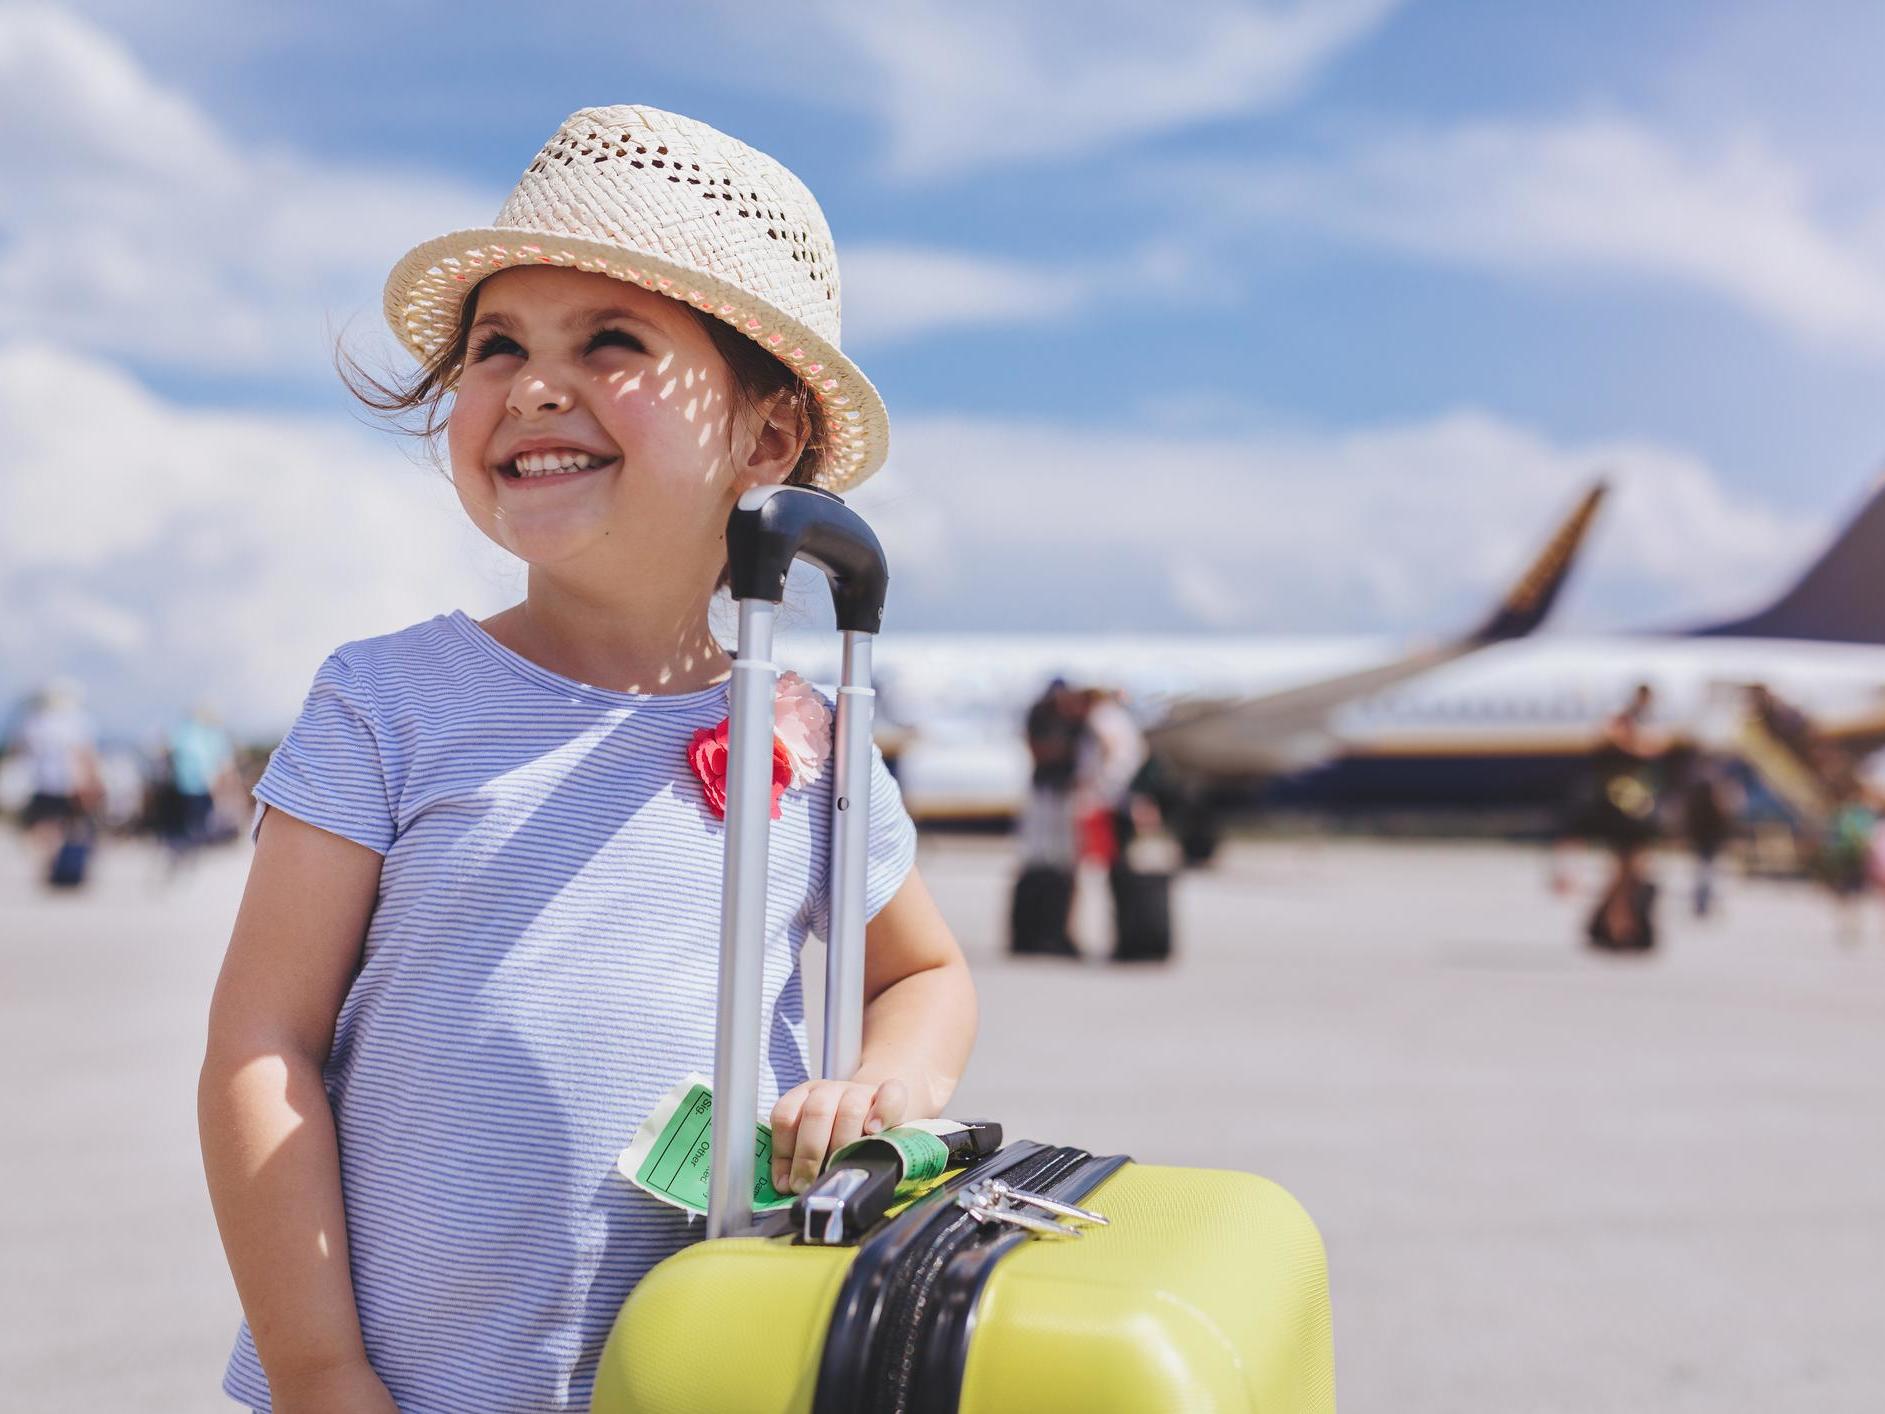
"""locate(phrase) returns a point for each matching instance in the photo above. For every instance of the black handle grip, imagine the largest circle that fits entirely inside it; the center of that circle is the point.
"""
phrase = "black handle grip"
(774, 525)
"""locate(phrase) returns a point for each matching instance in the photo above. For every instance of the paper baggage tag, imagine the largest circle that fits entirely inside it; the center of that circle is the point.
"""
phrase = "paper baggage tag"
(670, 1154)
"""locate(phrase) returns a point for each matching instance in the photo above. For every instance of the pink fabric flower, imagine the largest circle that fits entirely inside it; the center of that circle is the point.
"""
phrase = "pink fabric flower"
(802, 723)
(707, 754)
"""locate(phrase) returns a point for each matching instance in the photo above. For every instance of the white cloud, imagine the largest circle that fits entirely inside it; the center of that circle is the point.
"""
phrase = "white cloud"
(165, 555)
(134, 225)
(1409, 528)
(1731, 216)
(894, 292)
(968, 85)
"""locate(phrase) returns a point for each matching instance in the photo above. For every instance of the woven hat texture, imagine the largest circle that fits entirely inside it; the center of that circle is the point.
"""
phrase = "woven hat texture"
(677, 207)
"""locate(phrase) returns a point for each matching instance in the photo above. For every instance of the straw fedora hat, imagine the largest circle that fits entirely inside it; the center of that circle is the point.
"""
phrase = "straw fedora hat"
(681, 209)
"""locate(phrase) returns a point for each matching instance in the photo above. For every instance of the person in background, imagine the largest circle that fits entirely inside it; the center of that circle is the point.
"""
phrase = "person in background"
(1121, 780)
(1845, 854)
(1042, 906)
(59, 744)
(1711, 808)
(1057, 735)
(201, 767)
(1624, 820)
(1112, 756)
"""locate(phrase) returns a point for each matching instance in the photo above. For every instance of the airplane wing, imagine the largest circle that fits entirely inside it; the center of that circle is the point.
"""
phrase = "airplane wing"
(1252, 737)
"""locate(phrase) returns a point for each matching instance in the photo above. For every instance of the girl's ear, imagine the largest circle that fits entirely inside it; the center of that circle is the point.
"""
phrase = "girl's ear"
(780, 428)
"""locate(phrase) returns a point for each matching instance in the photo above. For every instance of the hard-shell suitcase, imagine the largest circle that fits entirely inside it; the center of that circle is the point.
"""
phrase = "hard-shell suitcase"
(1202, 1290)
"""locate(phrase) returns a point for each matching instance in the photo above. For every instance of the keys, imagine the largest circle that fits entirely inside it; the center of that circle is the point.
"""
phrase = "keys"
(996, 1201)
(1015, 1217)
(1007, 1191)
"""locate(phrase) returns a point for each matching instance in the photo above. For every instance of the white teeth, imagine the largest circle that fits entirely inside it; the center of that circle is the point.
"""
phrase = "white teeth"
(554, 463)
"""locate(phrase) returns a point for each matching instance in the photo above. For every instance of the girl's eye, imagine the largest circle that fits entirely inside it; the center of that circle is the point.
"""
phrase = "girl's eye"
(492, 345)
(615, 338)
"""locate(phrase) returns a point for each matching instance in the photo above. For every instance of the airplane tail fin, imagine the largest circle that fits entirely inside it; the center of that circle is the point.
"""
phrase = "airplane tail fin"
(1525, 605)
(1840, 598)
(1216, 736)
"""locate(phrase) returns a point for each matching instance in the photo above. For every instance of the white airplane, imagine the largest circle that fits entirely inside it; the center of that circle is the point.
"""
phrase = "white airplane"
(1482, 721)
(1219, 709)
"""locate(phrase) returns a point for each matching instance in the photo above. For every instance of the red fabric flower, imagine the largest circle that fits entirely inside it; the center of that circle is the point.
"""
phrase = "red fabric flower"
(707, 754)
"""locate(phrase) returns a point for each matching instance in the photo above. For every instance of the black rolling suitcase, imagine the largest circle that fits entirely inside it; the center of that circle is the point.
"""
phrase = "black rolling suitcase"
(1043, 906)
(1142, 910)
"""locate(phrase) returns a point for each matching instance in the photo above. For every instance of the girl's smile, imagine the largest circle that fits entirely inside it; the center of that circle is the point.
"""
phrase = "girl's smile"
(535, 464)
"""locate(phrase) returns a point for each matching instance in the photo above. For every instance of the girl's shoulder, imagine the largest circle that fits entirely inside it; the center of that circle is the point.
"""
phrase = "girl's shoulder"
(428, 640)
(390, 674)
(443, 648)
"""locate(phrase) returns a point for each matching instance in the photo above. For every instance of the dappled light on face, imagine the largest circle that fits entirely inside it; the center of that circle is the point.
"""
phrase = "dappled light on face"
(667, 389)
(702, 400)
(666, 359)
(625, 385)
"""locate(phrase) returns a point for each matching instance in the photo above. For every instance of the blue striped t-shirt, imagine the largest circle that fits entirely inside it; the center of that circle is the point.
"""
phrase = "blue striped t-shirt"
(540, 968)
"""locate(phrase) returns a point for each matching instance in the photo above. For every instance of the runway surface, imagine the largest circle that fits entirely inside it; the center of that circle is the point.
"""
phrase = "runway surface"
(1548, 1180)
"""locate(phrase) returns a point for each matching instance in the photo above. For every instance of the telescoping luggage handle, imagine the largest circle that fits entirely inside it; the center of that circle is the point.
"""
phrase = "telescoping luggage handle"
(770, 528)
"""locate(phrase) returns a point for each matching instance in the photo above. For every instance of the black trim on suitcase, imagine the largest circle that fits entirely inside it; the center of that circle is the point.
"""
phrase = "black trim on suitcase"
(945, 1349)
(881, 1343)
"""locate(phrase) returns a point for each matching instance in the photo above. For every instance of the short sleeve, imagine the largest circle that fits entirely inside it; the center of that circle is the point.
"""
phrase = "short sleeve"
(891, 846)
(329, 770)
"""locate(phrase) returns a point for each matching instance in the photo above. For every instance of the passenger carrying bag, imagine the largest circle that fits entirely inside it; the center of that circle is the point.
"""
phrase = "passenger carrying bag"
(1040, 1278)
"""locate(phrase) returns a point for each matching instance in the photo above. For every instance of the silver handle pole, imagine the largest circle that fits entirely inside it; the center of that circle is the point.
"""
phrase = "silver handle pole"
(742, 923)
(850, 857)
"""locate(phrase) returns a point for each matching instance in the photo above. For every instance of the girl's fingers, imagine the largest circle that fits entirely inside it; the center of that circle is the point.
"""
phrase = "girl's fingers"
(819, 1117)
(785, 1125)
(813, 1140)
(889, 1106)
(847, 1126)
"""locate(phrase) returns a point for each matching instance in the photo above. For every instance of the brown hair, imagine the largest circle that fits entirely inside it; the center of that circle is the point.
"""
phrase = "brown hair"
(757, 376)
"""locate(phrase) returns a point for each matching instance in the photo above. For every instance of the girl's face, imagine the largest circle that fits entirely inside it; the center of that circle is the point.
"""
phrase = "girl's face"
(595, 422)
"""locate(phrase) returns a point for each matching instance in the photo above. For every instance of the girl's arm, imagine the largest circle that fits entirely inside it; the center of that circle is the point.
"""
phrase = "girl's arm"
(269, 1149)
(919, 1025)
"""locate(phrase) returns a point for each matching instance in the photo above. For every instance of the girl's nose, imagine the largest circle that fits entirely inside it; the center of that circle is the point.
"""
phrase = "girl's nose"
(531, 396)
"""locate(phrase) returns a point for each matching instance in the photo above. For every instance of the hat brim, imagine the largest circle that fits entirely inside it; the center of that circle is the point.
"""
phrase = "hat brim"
(427, 288)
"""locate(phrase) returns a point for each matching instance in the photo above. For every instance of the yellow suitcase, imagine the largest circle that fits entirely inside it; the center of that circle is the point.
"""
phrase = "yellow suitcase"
(1202, 1291)
(1205, 1291)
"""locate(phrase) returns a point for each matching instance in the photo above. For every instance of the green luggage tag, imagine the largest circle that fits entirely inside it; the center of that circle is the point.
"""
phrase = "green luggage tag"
(923, 1153)
(669, 1157)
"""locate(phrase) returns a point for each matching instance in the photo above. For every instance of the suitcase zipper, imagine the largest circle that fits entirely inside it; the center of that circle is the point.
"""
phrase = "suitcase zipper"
(899, 1328)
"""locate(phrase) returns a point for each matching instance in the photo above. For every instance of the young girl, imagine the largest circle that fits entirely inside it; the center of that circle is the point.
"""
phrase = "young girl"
(480, 935)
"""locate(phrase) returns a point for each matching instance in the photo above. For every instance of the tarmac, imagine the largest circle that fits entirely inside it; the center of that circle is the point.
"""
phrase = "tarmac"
(1548, 1180)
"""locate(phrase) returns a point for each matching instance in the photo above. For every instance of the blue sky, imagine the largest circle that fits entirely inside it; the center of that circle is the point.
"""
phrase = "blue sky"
(1357, 291)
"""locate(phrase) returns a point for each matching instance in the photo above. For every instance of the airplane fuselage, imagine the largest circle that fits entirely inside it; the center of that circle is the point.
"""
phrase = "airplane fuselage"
(963, 699)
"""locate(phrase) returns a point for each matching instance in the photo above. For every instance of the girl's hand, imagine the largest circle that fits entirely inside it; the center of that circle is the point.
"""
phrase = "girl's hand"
(820, 1116)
